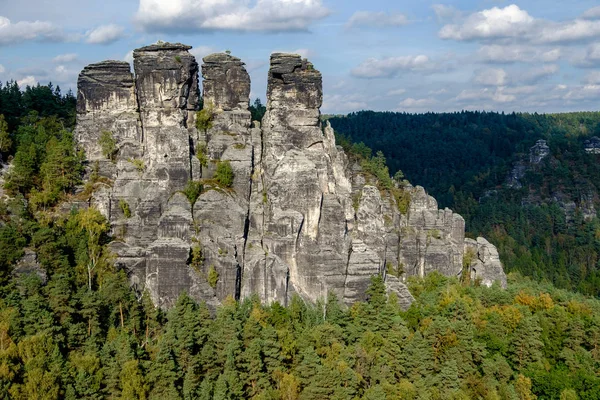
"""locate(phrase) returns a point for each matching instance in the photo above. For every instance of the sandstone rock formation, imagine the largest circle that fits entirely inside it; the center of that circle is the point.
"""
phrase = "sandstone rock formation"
(300, 216)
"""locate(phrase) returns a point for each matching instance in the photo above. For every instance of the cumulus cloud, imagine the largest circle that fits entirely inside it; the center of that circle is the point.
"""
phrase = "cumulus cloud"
(592, 78)
(497, 95)
(396, 92)
(416, 104)
(446, 13)
(105, 34)
(129, 57)
(592, 13)
(232, 15)
(22, 31)
(392, 66)
(341, 103)
(65, 58)
(535, 75)
(586, 92)
(511, 23)
(591, 57)
(499, 54)
(27, 81)
(376, 19)
(491, 77)
(201, 51)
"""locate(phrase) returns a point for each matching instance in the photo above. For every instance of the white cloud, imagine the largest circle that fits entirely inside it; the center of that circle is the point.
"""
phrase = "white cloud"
(418, 104)
(497, 95)
(129, 57)
(202, 51)
(513, 24)
(591, 58)
(105, 34)
(376, 19)
(506, 54)
(396, 92)
(586, 92)
(2, 69)
(341, 103)
(446, 13)
(27, 81)
(592, 13)
(535, 75)
(12, 33)
(491, 77)
(592, 78)
(65, 58)
(510, 21)
(232, 15)
(391, 66)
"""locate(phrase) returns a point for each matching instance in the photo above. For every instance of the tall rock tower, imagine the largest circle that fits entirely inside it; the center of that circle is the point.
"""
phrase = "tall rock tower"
(299, 217)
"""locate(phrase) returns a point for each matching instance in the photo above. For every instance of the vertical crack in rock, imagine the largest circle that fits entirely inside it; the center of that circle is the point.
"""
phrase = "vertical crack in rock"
(287, 223)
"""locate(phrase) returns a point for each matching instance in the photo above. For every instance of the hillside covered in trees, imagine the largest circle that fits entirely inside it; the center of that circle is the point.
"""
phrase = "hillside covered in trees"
(71, 327)
(545, 227)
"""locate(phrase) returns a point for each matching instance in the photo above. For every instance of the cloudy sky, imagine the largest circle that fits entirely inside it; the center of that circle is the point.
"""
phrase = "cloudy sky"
(534, 55)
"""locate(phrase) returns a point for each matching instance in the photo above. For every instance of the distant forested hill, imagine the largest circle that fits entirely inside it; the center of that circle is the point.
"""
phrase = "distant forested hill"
(545, 224)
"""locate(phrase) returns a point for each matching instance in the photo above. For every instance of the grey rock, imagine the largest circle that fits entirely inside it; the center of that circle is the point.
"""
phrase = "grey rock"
(592, 146)
(28, 264)
(485, 264)
(538, 152)
(300, 217)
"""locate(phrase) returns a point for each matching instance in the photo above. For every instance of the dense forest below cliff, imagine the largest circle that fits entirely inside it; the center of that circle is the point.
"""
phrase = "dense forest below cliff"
(544, 227)
(71, 327)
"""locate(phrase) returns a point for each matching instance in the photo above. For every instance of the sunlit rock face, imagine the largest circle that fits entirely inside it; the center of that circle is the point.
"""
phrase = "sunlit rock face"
(299, 217)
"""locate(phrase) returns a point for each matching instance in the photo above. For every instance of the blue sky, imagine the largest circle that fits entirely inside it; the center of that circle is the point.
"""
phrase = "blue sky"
(535, 55)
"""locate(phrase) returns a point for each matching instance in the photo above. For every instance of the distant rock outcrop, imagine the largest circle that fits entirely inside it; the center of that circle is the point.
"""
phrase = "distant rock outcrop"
(298, 217)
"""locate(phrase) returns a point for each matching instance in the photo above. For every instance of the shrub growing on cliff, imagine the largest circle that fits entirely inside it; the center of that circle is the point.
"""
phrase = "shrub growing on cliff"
(224, 174)
(124, 206)
(213, 277)
(108, 145)
(201, 155)
(139, 164)
(196, 260)
(192, 191)
(205, 117)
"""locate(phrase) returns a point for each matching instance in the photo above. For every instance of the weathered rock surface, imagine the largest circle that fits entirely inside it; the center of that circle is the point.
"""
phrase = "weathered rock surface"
(485, 265)
(299, 217)
(592, 146)
(28, 264)
(538, 152)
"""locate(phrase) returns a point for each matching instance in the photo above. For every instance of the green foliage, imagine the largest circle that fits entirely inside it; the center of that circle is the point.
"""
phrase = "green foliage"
(178, 59)
(139, 164)
(224, 174)
(45, 100)
(463, 160)
(196, 259)
(201, 154)
(124, 206)
(46, 166)
(192, 191)
(213, 277)
(5, 140)
(108, 145)
(257, 110)
(205, 117)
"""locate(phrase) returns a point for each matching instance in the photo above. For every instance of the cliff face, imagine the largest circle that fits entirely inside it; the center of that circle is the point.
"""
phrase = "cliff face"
(299, 216)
